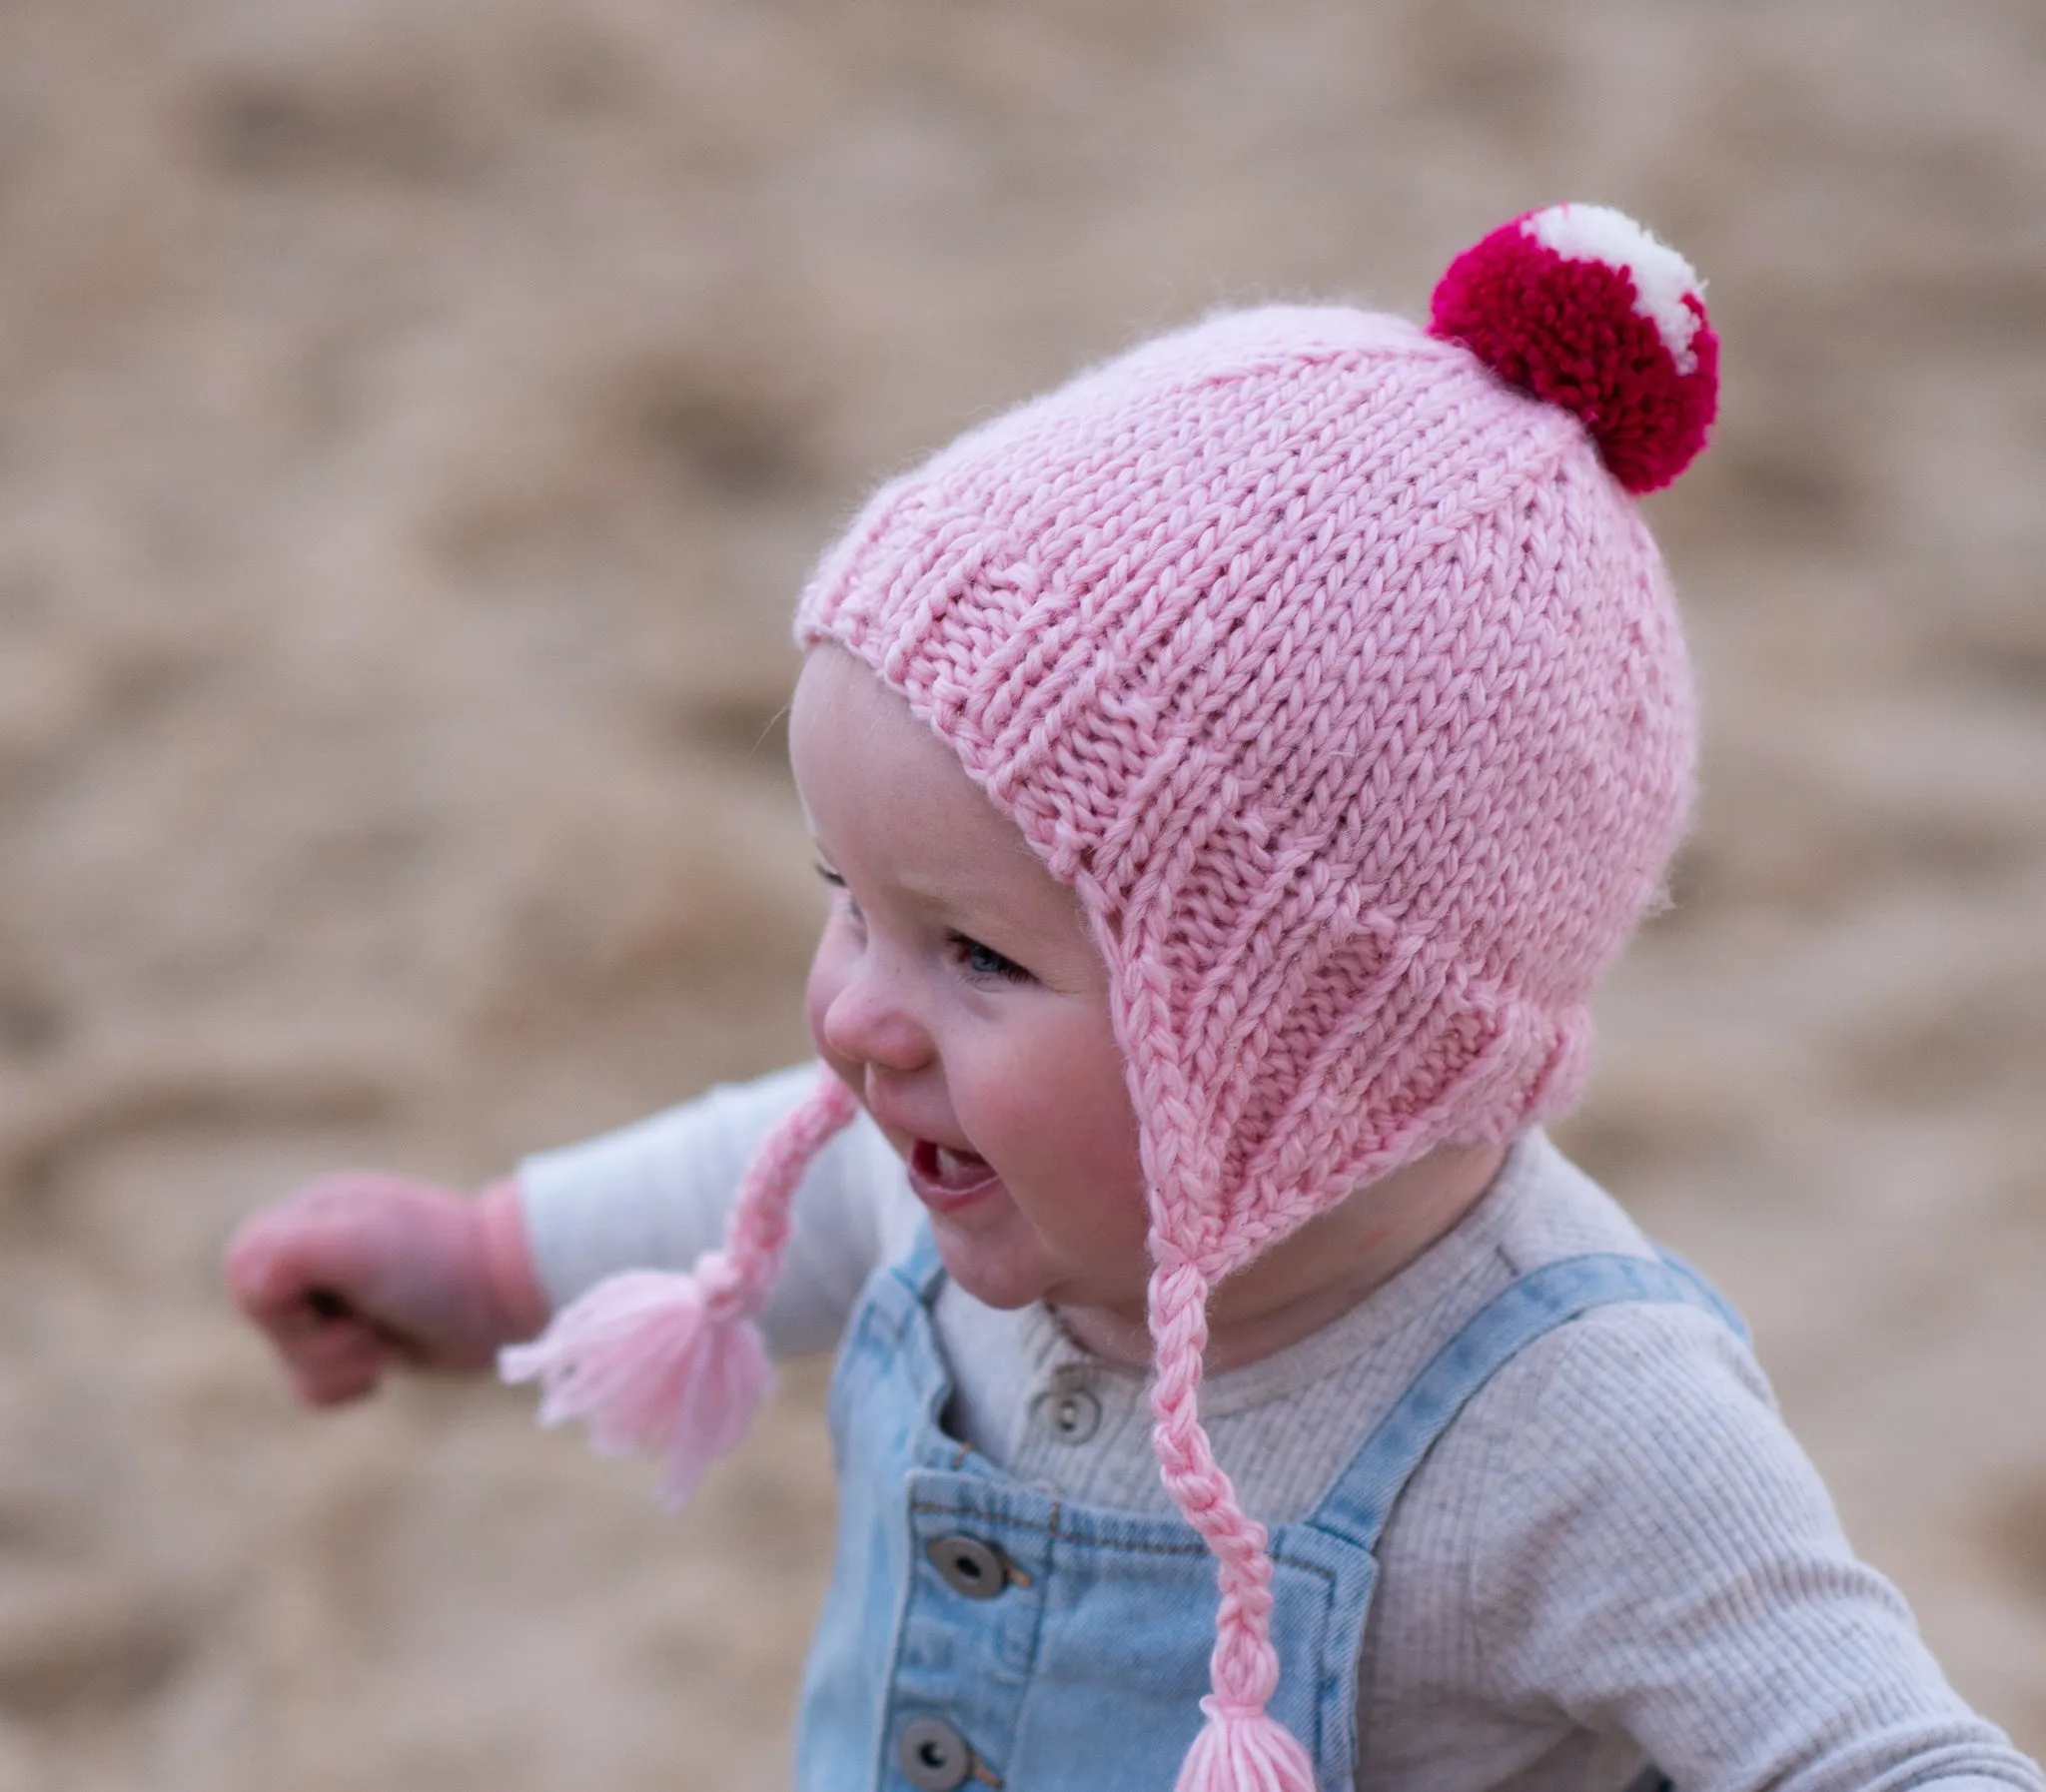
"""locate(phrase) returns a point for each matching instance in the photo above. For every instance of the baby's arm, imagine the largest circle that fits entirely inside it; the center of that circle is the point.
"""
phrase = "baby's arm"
(361, 1272)
(1659, 1557)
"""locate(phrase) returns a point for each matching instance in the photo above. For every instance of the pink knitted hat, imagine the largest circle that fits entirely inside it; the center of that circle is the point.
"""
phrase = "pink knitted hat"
(1330, 661)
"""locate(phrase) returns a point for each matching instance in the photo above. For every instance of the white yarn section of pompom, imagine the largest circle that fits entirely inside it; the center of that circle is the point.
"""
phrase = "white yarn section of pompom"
(1661, 276)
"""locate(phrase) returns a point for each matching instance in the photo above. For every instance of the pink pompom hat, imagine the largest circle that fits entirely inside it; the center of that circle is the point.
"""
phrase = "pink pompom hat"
(1331, 662)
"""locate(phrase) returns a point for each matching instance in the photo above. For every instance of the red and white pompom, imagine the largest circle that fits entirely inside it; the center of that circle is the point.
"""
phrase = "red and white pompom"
(1580, 305)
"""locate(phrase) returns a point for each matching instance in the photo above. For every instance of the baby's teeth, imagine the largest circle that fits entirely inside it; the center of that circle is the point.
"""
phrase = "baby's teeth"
(948, 1161)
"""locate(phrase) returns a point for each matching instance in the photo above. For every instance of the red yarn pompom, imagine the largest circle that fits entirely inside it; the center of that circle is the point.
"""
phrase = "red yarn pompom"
(1580, 305)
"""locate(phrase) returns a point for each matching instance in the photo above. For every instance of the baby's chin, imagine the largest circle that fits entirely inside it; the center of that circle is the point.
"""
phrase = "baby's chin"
(995, 1277)
(1109, 1322)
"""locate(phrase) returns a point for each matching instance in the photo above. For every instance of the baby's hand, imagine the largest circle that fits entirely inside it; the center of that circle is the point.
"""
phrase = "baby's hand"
(360, 1272)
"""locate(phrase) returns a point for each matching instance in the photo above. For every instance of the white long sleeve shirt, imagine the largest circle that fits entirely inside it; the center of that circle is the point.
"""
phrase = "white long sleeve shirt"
(1616, 1551)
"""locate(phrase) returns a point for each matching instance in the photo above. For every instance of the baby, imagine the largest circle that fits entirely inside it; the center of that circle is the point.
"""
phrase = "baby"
(1234, 772)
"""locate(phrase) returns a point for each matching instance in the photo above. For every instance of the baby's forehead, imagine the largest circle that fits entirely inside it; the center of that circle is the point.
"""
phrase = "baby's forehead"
(845, 723)
(868, 770)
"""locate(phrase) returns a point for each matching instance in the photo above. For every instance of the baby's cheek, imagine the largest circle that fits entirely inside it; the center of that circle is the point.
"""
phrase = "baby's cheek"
(1102, 1129)
(1117, 1176)
(1088, 1134)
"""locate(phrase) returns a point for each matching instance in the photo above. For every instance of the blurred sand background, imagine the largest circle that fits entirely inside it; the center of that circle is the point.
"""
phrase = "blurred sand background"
(414, 422)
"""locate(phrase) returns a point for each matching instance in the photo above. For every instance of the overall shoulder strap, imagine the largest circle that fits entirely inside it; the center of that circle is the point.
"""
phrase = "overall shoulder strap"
(1714, 1300)
(899, 1288)
(1357, 1507)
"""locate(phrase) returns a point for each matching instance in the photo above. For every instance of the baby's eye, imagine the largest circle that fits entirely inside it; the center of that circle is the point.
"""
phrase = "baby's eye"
(984, 961)
(839, 891)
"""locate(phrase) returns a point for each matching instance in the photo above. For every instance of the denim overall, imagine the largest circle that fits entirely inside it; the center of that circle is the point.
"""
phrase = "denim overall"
(981, 1631)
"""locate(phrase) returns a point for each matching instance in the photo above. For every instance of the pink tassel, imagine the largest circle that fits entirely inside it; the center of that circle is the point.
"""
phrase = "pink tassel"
(646, 1362)
(674, 1364)
(1244, 1748)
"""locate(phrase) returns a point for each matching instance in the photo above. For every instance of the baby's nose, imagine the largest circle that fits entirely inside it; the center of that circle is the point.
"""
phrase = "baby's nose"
(869, 1020)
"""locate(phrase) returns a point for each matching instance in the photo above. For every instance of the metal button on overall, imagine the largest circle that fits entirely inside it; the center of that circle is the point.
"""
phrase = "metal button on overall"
(933, 1756)
(976, 1569)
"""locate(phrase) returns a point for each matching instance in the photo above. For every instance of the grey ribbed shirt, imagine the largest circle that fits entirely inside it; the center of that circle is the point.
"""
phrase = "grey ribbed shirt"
(1616, 1551)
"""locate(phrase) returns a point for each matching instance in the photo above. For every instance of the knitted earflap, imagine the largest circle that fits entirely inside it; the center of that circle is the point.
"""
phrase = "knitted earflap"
(673, 1363)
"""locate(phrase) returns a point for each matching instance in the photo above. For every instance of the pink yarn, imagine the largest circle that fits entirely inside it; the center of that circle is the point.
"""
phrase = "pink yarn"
(674, 1364)
(642, 1357)
(1240, 1748)
(1243, 1749)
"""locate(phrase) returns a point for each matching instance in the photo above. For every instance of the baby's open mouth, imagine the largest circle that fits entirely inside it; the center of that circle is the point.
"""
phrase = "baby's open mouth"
(948, 1172)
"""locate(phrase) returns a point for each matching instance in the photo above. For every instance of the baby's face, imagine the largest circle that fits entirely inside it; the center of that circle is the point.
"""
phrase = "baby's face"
(958, 993)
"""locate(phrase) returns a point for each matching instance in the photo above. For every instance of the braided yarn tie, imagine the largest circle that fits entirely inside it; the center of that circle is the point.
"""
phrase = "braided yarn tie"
(1242, 1748)
(673, 1363)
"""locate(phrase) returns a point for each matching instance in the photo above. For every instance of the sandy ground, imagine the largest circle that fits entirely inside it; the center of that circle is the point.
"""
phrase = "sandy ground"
(413, 420)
